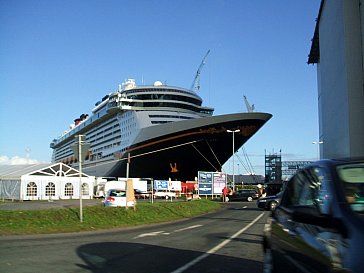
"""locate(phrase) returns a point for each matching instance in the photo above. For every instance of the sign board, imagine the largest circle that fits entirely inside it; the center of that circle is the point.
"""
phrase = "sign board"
(174, 186)
(167, 185)
(219, 182)
(161, 184)
(129, 192)
(205, 177)
(211, 182)
(205, 188)
(205, 183)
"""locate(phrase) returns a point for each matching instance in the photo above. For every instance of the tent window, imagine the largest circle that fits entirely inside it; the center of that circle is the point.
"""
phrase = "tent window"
(85, 189)
(32, 189)
(68, 189)
(50, 189)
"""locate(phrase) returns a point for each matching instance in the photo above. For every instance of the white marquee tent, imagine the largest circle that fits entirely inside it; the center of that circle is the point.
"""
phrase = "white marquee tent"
(43, 182)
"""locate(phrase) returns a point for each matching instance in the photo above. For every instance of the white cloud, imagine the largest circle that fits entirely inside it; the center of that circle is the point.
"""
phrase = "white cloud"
(16, 160)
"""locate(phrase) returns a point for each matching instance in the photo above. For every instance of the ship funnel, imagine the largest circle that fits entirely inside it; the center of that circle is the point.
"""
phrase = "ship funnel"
(129, 84)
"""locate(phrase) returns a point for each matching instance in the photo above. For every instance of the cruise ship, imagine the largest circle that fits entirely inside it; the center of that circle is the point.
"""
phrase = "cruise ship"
(155, 131)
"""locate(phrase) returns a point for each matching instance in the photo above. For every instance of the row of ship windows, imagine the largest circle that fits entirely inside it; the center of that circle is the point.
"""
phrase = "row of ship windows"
(170, 116)
(125, 140)
(65, 151)
(103, 137)
(115, 142)
(167, 116)
(150, 90)
(99, 141)
(128, 124)
(92, 134)
(101, 131)
(105, 134)
(126, 129)
(101, 112)
(98, 154)
(129, 127)
(127, 121)
(126, 134)
(161, 121)
(170, 105)
(98, 132)
(165, 97)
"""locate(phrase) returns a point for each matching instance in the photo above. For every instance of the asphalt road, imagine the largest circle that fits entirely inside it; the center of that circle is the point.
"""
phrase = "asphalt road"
(225, 241)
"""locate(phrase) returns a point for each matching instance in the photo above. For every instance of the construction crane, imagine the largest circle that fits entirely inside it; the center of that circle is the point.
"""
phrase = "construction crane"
(248, 107)
(196, 82)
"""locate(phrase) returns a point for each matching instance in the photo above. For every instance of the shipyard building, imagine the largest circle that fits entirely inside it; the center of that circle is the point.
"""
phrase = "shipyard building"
(337, 49)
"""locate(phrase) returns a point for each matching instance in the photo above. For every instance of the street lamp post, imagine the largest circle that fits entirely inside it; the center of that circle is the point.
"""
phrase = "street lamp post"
(318, 147)
(80, 149)
(233, 132)
(238, 172)
(80, 160)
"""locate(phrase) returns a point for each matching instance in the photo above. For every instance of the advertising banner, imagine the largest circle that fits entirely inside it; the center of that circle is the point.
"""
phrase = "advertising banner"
(160, 185)
(210, 183)
(164, 185)
(205, 188)
(174, 186)
(219, 182)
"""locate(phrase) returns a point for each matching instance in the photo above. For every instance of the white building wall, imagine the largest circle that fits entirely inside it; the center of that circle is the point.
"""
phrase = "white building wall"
(340, 79)
(355, 76)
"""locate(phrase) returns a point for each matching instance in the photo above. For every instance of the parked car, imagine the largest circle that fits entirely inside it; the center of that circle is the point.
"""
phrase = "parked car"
(243, 195)
(140, 194)
(318, 226)
(165, 194)
(269, 202)
(116, 198)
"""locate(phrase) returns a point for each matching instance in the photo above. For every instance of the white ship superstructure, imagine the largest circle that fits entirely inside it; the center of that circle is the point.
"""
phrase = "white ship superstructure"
(120, 116)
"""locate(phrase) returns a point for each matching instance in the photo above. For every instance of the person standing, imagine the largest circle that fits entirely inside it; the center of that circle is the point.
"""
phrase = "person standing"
(224, 193)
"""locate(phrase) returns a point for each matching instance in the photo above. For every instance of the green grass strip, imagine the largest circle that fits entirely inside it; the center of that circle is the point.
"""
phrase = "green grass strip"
(98, 217)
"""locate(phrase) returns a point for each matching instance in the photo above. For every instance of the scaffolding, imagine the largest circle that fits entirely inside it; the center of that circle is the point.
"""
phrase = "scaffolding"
(275, 168)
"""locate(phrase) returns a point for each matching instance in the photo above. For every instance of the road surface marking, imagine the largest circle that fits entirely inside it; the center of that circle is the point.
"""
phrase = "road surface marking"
(216, 248)
(187, 228)
(155, 233)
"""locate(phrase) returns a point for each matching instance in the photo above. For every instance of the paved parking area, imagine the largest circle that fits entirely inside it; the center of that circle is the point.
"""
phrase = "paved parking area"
(56, 204)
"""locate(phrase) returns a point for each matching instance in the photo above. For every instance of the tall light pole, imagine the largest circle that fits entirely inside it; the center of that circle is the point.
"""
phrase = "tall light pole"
(80, 149)
(238, 172)
(318, 147)
(233, 131)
